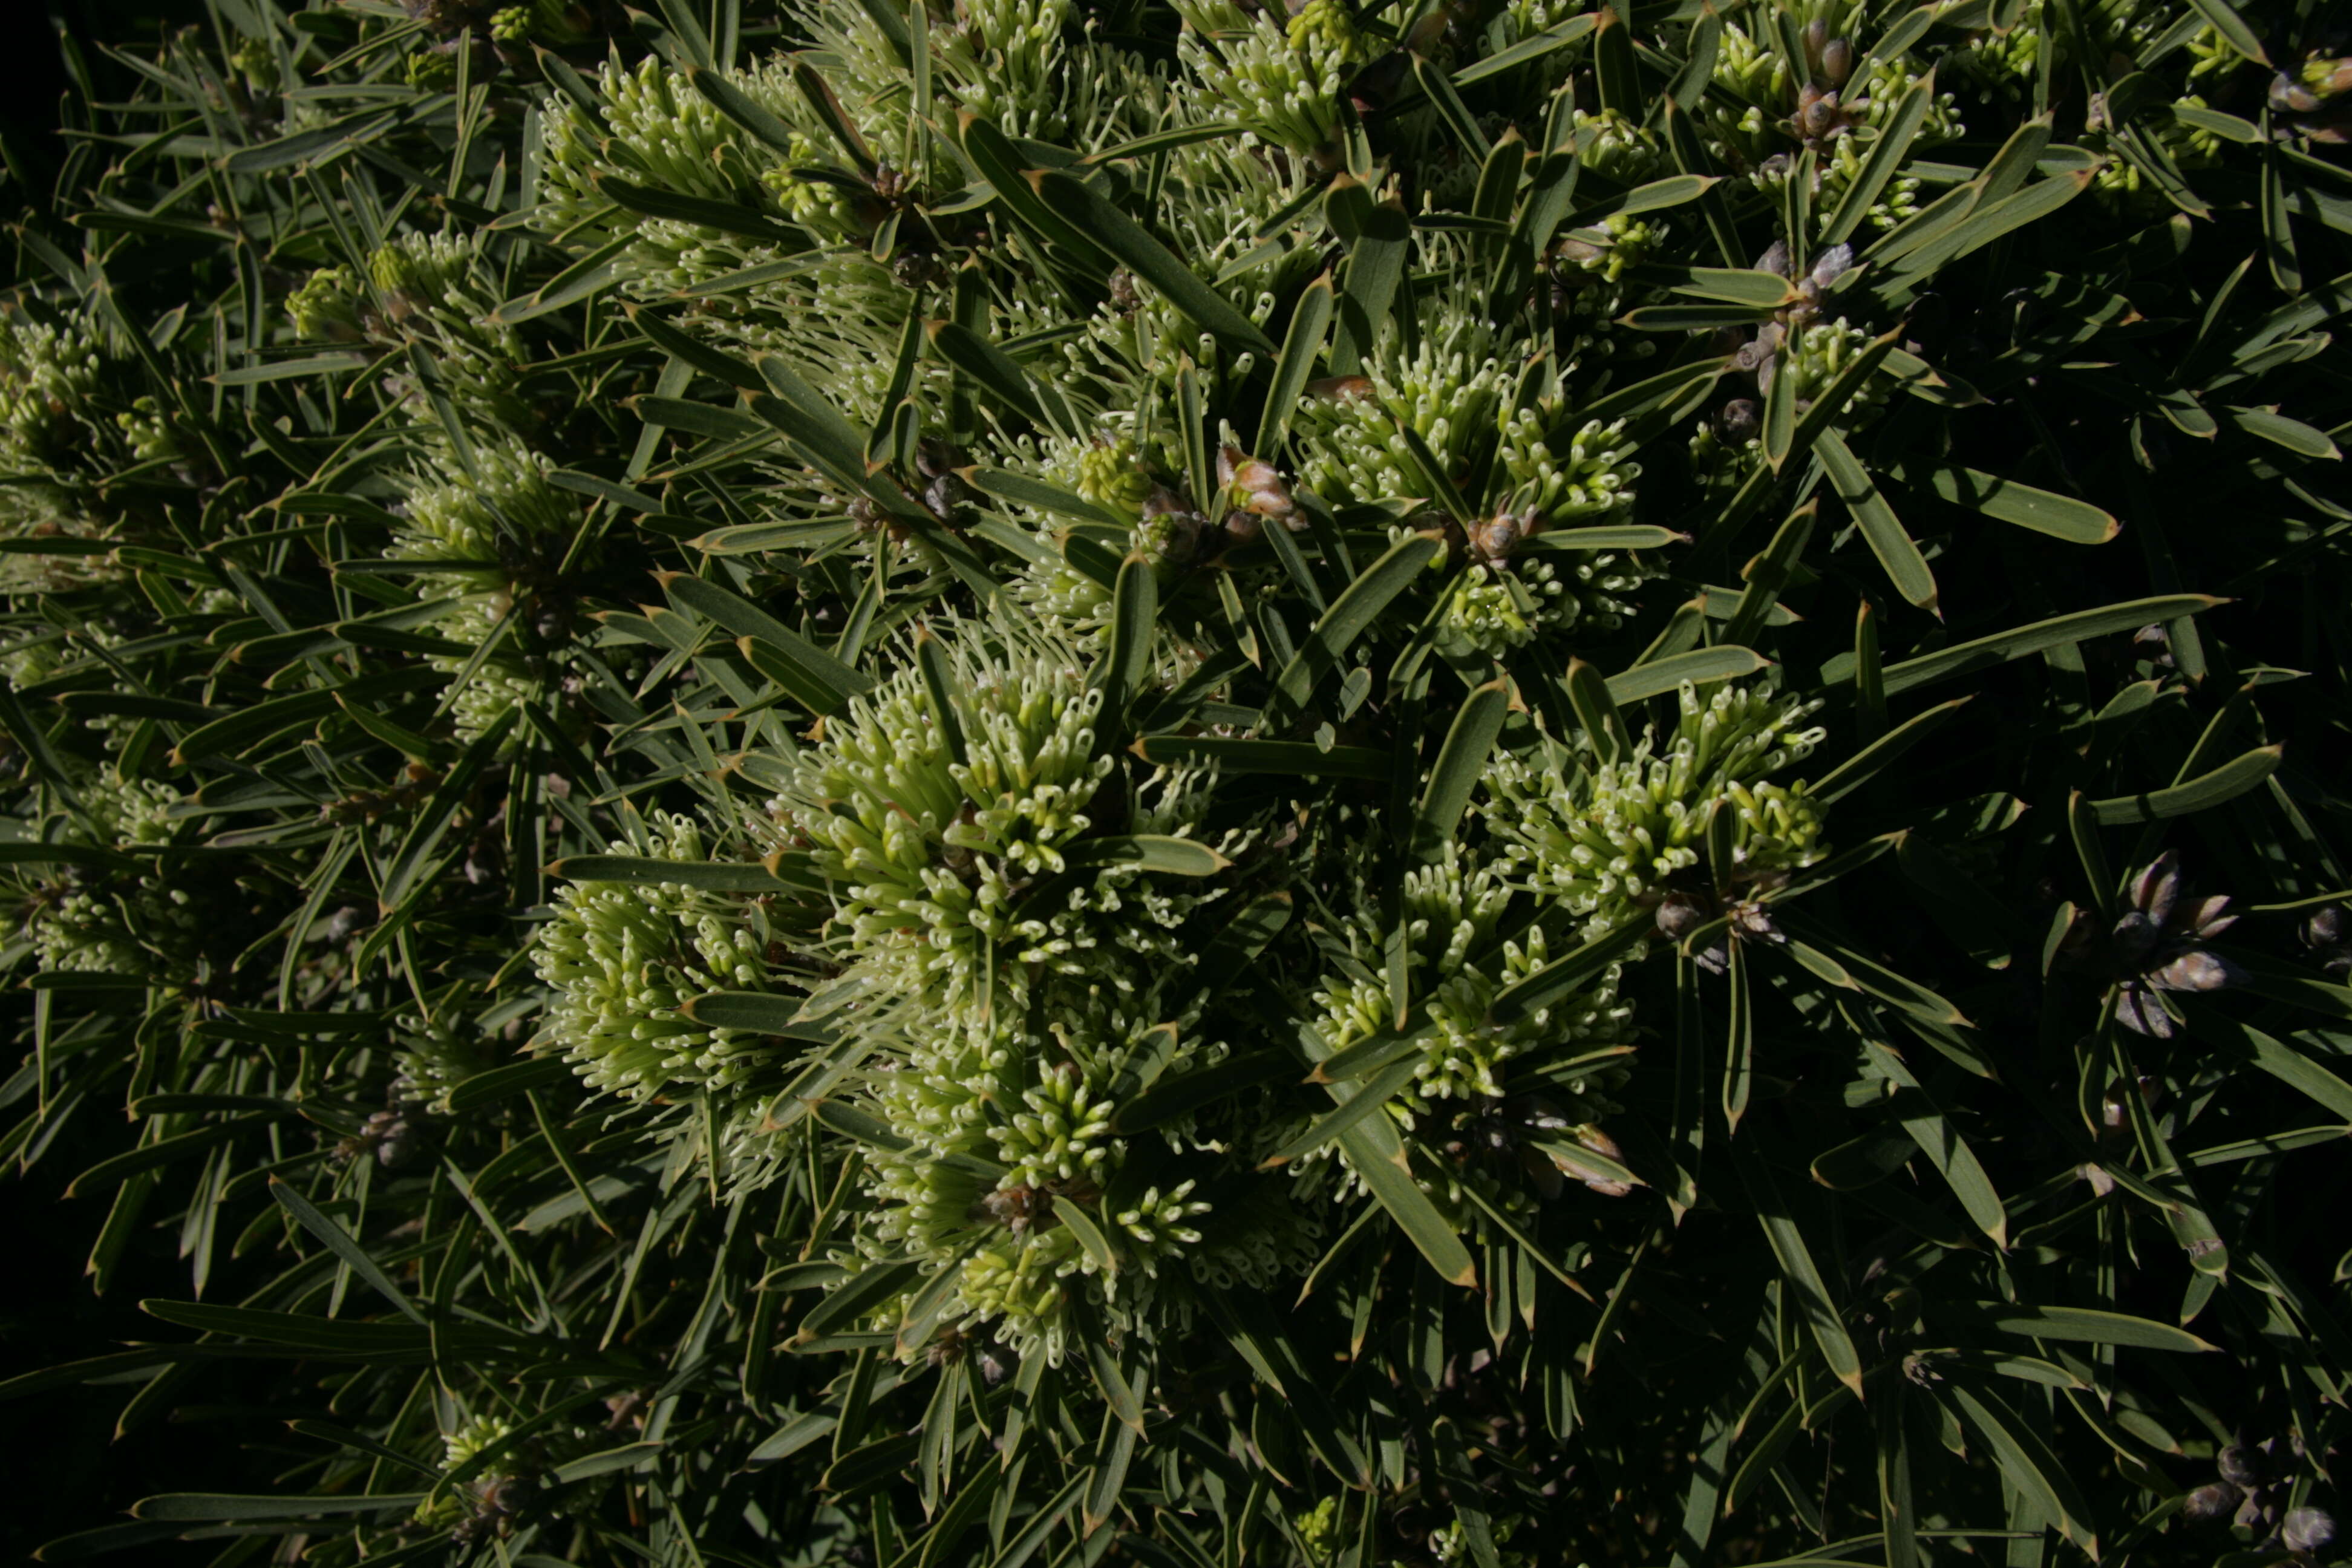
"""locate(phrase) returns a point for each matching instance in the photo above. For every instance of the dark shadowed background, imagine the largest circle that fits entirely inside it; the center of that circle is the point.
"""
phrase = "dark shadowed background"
(69, 1471)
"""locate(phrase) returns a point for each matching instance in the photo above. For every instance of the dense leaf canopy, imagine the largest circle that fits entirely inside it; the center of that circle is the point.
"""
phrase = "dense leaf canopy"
(1189, 784)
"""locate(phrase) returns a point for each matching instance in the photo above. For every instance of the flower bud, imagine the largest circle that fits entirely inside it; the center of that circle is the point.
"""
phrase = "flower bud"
(1255, 485)
(2154, 889)
(1817, 116)
(2307, 1530)
(1837, 61)
(1679, 914)
(2196, 970)
(2241, 1466)
(2325, 926)
(2208, 1503)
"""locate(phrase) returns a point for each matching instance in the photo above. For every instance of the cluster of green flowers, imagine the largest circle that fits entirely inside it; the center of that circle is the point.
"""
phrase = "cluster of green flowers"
(433, 290)
(624, 958)
(935, 833)
(50, 378)
(1006, 1148)
(1610, 837)
(1285, 78)
(66, 419)
(1457, 962)
(1497, 607)
(1449, 389)
(495, 513)
(1016, 987)
(136, 920)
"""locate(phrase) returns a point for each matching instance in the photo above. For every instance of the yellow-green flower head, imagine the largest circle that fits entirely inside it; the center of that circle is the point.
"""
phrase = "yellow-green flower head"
(1610, 143)
(146, 430)
(1324, 32)
(509, 516)
(1498, 607)
(1450, 911)
(1283, 81)
(1567, 478)
(425, 266)
(128, 813)
(999, 1130)
(49, 383)
(1111, 475)
(1754, 72)
(1882, 92)
(327, 305)
(1842, 164)
(1816, 355)
(1449, 390)
(1603, 838)
(624, 958)
(933, 853)
(1017, 47)
(652, 128)
(504, 506)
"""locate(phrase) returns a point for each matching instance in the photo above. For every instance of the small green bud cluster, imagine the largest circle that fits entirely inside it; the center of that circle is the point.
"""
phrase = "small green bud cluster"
(503, 513)
(50, 382)
(933, 853)
(1458, 963)
(1449, 390)
(623, 958)
(1285, 82)
(1612, 145)
(1606, 838)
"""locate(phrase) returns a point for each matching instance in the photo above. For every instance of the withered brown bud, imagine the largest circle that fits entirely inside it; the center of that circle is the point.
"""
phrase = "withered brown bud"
(2241, 1466)
(2196, 970)
(1163, 501)
(944, 497)
(915, 269)
(2307, 1530)
(2210, 1502)
(1679, 914)
(2289, 96)
(1837, 61)
(1817, 115)
(1494, 540)
(1257, 486)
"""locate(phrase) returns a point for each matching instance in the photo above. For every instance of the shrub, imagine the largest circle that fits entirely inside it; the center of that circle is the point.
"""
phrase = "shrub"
(1388, 784)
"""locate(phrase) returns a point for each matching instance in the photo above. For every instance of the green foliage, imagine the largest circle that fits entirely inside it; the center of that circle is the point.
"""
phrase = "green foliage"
(1376, 785)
